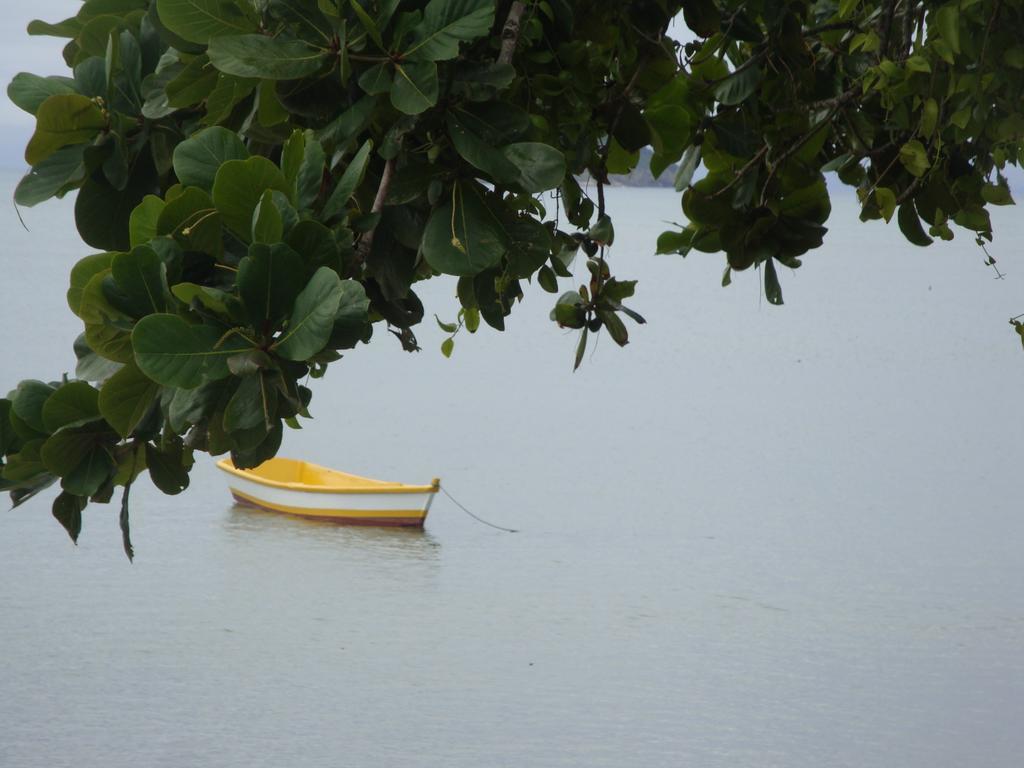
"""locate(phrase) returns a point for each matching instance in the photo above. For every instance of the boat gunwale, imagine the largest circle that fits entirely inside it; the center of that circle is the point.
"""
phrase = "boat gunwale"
(225, 465)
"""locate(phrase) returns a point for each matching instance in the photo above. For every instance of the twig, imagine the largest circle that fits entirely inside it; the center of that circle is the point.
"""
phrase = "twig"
(988, 30)
(885, 27)
(510, 33)
(743, 171)
(366, 242)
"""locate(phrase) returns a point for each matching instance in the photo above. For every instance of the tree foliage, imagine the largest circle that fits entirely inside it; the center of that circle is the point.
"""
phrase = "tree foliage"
(266, 181)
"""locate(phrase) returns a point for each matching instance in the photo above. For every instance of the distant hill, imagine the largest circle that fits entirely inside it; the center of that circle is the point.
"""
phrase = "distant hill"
(641, 175)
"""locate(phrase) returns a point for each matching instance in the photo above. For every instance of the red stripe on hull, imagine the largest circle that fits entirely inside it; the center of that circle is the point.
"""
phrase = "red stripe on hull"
(392, 522)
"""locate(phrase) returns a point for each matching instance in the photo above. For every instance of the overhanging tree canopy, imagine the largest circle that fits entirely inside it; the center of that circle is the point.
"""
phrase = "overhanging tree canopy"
(267, 180)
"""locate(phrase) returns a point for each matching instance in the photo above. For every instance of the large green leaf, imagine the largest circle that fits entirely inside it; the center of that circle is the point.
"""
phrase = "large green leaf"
(265, 57)
(29, 91)
(312, 318)
(141, 282)
(351, 321)
(28, 401)
(248, 406)
(72, 404)
(463, 237)
(62, 120)
(199, 20)
(81, 456)
(445, 24)
(126, 397)
(198, 158)
(481, 154)
(102, 213)
(269, 279)
(541, 167)
(173, 353)
(193, 84)
(62, 170)
(82, 273)
(142, 225)
(166, 466)
(735, 88)
(192, 219)
(415, 88)
(67, 510)
(238, 187)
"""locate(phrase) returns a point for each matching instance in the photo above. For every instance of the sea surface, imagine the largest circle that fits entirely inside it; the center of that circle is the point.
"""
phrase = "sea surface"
(756, 536)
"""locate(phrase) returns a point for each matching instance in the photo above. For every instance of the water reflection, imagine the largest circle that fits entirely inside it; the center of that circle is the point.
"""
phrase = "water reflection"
(414, 544)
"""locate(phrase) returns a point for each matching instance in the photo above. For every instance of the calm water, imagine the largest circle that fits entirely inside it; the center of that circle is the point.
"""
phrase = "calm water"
(754, 537)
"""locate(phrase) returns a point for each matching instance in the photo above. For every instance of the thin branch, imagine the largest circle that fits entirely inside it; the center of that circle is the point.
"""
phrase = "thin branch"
(885, 27)
(988, 31)
(743, 171)
(366, 242)
(510, 33)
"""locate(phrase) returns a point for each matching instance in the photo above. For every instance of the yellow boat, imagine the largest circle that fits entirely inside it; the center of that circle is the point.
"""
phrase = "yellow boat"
(300, 488)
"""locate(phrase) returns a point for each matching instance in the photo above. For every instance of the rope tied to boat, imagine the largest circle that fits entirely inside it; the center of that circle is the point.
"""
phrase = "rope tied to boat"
(478, 519)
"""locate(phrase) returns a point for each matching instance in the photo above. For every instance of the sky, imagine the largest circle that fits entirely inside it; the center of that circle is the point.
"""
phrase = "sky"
(20, 52)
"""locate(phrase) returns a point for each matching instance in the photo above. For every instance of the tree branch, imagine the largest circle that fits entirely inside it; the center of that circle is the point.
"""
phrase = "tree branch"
(510, 33)
(366, 242)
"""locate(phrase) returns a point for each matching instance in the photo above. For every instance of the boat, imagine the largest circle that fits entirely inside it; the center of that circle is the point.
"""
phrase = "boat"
(301, 488)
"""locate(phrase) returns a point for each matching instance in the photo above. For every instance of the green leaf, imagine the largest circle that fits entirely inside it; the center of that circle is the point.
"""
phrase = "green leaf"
(929, 117)
(171, 352)
(463, 237)
(312, 317)
(368, 23)
(702, 16)
(772, 289)
(687, 167)
(102, 213)
(351, 322)
(62, 170)
(81, 457)
(267, 224)
(193, 84)
(248, 407)
(27, 403)
(272, 58)
(997, 194)
(29, 91)
(445, 24)
(269, 280)
(886, 200)
(377, 79)
(166, 466)
(348, 183)
(238, 187)
(914, 158)
(81, 274)
(62, 120)
(198, 158)
(199, 20)
(67, 510)
(142, 226)
(581, 349)
(126, 397)
(481, 154)
(73, 404)
(415, 88)
(447, 347)
(310, 176)
(737, 87)
(947, 19)
(193, 221)
(141, 280)
(910, 225)
(541, 167)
